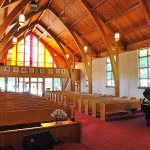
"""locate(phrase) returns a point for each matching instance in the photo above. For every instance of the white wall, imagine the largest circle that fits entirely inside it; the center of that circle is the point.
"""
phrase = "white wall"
(128, 76)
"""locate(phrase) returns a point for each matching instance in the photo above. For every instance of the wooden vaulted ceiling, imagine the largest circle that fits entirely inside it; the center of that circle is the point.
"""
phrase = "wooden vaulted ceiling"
(65, 26)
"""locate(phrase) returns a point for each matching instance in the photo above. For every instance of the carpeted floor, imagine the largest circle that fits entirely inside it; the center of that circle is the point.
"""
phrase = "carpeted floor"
(115, 134)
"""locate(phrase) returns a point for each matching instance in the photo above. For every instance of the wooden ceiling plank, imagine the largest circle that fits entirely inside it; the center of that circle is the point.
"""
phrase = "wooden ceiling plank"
(139, 45)
(52, 34)
(1, 3)
(11, 16)
(7, 3)
(50, 2)
(31, 14)
(97, 4)
(41, 15)
(48, 27)
(90, 31)
(146, 10)
(123, 34)
(70, 3)
(133, 7)
(70, 31)
(134, 29)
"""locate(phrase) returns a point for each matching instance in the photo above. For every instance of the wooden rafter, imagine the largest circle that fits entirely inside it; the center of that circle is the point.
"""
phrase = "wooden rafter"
(133, 7)
(10, 45)
(5, 41)
(52, 52)
(64, 53)
(28, 16)
(123, 34)
(74, 36)
(31, 14)
(146, 10)
(8, 3)
(1, 3)
(107, 45)
(139, 45)
(11, 16)
(66, 7)
(7, 37)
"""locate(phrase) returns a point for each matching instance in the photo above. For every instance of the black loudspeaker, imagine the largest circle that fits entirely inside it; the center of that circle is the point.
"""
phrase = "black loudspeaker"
(38, 141)
(2, 64)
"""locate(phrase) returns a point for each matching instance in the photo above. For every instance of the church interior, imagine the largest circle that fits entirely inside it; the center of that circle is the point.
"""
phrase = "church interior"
(73, 74)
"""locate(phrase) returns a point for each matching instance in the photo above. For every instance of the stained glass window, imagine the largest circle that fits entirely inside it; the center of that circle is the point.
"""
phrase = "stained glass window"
(144, 67)
(30, 52)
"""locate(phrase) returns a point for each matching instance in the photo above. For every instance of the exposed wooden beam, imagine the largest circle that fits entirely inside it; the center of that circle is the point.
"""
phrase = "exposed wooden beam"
(97, 4)
(107, 45)
(51, 50)
(7, 37)
(11, 16)
(31, 14)
(59, 58)
(90, 31)
(146, 10)
(1, 3)
(138, 45)
(131, 8)
(69, 29)
(64, 53)
(34, 28)
(50, 2)
(8, 3)
(28, 28)
(70, 3)
(123, 34)
(5, 41)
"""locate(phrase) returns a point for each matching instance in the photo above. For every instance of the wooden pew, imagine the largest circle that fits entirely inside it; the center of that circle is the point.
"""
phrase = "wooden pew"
(108, 108)
(15, 137)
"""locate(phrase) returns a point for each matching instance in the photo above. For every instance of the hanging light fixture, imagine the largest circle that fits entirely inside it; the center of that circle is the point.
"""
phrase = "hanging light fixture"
(85, 48)
(117, 36)
(10, 51)
(67, 56)
(55, 55)
(14, 40)
(21, 19)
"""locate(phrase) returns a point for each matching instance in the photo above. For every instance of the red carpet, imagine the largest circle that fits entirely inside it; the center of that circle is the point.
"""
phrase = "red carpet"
(125, 134)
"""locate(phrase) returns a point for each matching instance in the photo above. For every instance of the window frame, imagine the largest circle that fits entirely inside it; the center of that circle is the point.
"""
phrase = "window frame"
(147, 67)
(112, 81)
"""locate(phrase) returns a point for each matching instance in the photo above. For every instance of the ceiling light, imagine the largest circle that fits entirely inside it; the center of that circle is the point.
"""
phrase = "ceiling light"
(10, 51)
(21, 19)
(14, 40)
(117, 36)
(67, 56)
(34, 6)
(85, 48)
